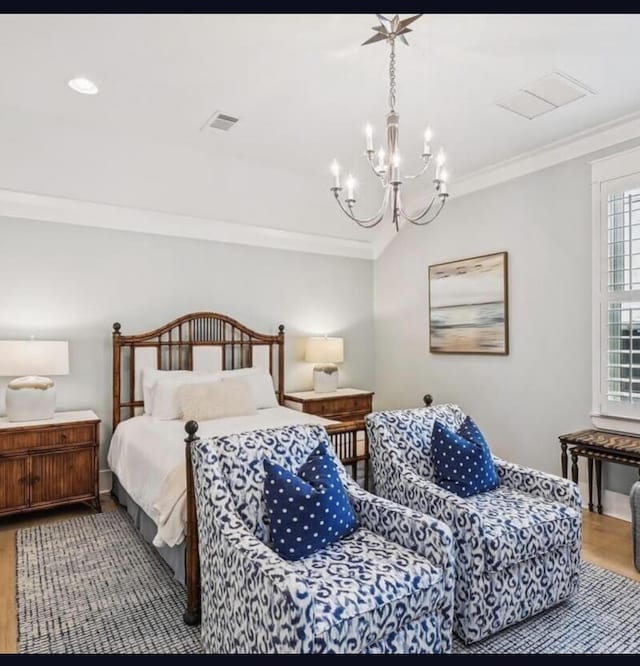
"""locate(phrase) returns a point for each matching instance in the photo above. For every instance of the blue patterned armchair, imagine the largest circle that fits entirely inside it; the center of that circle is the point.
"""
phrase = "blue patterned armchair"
(517, 547)
(388, 587)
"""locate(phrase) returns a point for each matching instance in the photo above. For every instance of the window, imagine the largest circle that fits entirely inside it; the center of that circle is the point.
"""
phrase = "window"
(616, 307)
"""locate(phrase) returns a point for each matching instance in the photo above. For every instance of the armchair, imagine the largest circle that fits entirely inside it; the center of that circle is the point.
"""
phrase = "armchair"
(517, 547)
(388, 587)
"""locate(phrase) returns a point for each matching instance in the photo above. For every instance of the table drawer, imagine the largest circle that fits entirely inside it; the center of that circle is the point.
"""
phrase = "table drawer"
(47, 438)
(335, 406)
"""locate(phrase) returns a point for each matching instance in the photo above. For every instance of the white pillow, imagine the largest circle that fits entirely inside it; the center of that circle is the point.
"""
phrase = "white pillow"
(149, 378)
(215, 400)
(259, 381)
(165, 405)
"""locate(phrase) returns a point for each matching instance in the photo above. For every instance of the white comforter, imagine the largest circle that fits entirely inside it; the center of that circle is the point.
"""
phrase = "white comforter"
(148, 457)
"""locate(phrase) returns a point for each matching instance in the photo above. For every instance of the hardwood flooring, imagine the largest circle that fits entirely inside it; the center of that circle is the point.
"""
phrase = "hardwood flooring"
(605, 541)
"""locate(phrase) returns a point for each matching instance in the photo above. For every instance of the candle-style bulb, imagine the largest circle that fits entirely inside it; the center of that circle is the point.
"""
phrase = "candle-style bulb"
(426, 147)
(444, 175)
(351, 186)
(441, 159)
(396, 160)
(369, 133)
(335, 170)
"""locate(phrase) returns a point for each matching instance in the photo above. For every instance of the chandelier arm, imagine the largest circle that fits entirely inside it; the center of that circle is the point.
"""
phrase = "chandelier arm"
(418, 219)
(421, 172)
(368, 222)
(375, 171)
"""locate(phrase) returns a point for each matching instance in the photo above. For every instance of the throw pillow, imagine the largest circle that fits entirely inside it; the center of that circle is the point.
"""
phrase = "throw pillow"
(215, 400)
(310, 510)
(462, 460)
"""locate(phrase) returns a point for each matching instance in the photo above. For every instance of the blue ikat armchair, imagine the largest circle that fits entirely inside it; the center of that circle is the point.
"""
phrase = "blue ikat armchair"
(517, 546)
(387, 587)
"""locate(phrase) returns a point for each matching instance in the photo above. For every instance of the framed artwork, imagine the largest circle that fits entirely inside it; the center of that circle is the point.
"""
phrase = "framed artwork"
(469, 306)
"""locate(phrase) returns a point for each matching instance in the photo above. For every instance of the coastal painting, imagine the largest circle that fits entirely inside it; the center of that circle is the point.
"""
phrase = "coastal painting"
(468, 306)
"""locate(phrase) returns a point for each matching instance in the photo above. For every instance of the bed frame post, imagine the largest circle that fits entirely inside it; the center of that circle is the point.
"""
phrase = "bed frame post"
(428, 400)
(116, 375)
(281, 364)
(192, 558)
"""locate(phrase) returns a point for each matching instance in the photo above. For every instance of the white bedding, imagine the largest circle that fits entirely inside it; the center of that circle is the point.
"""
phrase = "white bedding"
(148, 457)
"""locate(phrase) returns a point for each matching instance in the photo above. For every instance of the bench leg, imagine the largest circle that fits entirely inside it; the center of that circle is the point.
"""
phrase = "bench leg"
(564, 460)
(599, 483)
(590, 469)
(574, 467)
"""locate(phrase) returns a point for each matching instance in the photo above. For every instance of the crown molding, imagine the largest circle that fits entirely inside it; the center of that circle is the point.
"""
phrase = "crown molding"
(579, 144)
(62, 210)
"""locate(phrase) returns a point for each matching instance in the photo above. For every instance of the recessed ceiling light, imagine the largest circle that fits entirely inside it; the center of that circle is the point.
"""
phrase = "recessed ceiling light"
(83, 86)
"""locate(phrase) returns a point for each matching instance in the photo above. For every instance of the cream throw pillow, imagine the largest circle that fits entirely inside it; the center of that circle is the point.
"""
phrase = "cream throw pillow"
(215, 400)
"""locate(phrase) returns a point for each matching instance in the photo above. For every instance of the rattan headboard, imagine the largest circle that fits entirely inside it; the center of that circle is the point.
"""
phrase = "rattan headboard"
(215, 341)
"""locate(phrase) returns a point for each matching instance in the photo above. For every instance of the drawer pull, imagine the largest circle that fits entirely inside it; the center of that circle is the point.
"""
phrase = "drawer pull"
(22, 479)
(64, 437)
(35, 479)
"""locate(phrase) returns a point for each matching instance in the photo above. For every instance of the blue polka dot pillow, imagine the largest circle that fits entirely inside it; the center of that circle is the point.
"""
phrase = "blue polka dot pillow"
(309, 510)
(462, 460)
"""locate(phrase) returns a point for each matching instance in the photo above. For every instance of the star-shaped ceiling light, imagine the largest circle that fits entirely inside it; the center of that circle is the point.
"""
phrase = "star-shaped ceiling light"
(394, 28)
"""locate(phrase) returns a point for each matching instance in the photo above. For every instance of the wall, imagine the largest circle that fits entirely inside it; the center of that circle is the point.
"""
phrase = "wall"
(543, 388)
(68, 282)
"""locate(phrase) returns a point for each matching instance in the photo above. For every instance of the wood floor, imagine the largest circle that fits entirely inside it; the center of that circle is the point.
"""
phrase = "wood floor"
(605, 542)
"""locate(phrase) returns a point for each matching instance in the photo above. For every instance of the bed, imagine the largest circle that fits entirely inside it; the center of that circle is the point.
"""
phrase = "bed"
(150, 464)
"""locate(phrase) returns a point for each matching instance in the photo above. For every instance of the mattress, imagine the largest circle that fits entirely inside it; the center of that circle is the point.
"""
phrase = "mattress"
(148, 457)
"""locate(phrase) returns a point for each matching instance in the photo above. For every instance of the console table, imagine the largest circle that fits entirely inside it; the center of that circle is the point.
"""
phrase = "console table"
(597, 446)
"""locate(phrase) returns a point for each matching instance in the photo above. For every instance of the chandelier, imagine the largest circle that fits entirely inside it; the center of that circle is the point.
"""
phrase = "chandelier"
(385, 164)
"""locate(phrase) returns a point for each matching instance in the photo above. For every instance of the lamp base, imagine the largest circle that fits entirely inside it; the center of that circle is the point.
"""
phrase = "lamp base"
(31, 399)
(325, 378)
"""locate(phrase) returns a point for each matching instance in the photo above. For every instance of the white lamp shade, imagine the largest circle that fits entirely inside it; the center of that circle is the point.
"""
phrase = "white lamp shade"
(324, 350)
(33, 357)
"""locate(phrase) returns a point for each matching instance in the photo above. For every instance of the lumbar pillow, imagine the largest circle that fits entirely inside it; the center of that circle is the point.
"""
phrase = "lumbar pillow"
(310, 510)
(164, 396)
(215, 400)
(462, 460)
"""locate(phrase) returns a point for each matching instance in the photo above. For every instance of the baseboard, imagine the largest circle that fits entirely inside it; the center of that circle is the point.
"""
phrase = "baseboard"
(614, 504)
(104, 483)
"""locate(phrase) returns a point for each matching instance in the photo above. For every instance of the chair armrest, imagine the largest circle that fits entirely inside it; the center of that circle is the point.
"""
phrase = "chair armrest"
(540, 484)
(413, 530)
(256, 598)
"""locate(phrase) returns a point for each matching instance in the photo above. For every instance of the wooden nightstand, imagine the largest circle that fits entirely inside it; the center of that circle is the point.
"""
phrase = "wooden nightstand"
(49, 463)
(345, 404)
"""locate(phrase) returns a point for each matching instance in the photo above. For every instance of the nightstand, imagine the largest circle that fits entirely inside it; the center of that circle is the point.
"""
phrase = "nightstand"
(345, 404)
(49, 463)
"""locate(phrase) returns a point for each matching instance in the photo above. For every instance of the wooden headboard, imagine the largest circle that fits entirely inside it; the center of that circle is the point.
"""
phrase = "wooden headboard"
(205, 341)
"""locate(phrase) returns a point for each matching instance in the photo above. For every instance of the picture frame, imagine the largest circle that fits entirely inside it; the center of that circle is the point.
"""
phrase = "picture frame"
(469, 305)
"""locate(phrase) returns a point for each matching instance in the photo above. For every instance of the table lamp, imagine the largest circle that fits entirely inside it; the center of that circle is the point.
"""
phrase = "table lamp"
(326, 352)
(32, 397)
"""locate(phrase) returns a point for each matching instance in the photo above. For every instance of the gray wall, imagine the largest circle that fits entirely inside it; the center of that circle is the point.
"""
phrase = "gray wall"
(543, 388)
(71, 283)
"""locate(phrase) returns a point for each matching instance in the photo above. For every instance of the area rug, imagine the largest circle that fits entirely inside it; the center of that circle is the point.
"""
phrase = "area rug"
(93, 585)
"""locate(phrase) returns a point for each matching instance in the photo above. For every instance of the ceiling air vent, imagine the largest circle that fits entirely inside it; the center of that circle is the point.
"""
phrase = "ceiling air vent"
(220, 121)
(546, 94)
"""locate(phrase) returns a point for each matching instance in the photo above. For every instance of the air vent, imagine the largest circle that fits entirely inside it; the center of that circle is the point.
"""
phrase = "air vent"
(546, 94)
(220, 121)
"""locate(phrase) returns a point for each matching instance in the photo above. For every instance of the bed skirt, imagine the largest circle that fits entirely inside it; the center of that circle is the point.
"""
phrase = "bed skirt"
(174, 557)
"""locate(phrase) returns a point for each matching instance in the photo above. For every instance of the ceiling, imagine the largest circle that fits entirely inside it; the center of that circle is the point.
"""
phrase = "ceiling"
(303, 88)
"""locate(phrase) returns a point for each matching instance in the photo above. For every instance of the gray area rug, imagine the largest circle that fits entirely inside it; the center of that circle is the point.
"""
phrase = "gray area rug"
(92, 585)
